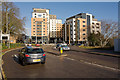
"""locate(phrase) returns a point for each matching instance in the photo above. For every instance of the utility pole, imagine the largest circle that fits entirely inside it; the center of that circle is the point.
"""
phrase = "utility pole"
(7, 31)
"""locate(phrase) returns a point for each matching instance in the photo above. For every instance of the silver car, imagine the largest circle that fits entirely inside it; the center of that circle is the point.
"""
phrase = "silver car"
(64, 47)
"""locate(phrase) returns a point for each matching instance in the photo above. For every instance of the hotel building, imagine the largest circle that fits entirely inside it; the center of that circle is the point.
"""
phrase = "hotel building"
(45, 28)
(40, 25)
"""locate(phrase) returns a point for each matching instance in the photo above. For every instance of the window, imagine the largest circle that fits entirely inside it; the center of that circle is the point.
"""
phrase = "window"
(40, 25)
(43, 25)
(43, 31)
(33, 22)
(83, 21)
(83, 29)
(33, 31)
(39, 15)
(43, 16)
(92, 26)
(33, 28)
(39, 22)
(43, 19)
(34, 25)
(33, 19)
(83, 25)
(35, 13)
(43, 34)
(43, 22)
(97, 31)
(43, 28)
(83, 33)
(35, 16)
(83, 38)
(97, 23)
(33, 34)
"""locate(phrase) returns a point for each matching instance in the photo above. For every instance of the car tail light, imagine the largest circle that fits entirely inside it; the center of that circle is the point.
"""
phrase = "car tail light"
(43, 54)
(26, 55)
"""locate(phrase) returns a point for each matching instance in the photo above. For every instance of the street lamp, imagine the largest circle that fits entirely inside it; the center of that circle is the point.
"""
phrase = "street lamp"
(7, 27)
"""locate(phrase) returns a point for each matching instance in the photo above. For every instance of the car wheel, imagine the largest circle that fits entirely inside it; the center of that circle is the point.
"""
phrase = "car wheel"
(23, 63)
(19, 60)
(42, 62)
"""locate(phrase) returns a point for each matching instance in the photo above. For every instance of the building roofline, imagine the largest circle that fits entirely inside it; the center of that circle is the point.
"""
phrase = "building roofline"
(76, 15)
(40, 8)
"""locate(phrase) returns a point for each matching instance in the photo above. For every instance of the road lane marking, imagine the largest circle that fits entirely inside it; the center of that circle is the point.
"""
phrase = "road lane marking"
(90, 63)
(95, 64)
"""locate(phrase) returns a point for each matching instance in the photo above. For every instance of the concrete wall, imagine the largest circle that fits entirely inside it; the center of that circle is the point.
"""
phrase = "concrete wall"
(117, 41)
(117, 45)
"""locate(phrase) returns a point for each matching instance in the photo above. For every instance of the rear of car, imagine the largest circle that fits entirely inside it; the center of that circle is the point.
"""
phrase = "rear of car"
(65, 47)
(33, 55)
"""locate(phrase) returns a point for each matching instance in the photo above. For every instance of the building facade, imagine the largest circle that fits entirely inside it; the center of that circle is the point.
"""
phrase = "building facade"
(45, 28)
(40, 25)
(55, 29)
(77, 28)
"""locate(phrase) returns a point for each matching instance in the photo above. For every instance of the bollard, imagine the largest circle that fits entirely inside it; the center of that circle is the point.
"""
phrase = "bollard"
(61, 50)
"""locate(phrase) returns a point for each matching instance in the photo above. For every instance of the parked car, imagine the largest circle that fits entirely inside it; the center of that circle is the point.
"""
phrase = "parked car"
(31, 54)
(80, 44)
(64, 46)
(72, 44)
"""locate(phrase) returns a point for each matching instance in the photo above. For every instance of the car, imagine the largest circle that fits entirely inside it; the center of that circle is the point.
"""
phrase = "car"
(31, 54)
(63, 46)
(72, 44)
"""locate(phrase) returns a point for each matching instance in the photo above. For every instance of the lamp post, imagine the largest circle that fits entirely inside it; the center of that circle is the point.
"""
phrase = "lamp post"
(7, 28)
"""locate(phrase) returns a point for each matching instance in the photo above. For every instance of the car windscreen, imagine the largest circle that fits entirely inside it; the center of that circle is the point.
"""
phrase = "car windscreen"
(64, 46)
(35, 50)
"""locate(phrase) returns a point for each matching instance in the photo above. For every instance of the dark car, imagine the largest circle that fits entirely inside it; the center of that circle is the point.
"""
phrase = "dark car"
(31, 55)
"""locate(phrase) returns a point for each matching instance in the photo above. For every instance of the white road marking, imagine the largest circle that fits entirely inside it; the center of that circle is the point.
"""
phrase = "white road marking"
(95, 64)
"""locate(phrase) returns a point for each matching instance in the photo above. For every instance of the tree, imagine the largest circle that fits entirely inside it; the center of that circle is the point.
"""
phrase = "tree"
(93, 39)
(10, 18)
(109, 29)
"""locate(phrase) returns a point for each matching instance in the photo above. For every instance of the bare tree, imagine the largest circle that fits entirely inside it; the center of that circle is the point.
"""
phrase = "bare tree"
(109, 29)
(15, 24)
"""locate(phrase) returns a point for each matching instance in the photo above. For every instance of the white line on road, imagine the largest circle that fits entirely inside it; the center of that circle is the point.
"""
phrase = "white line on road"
(90, 63)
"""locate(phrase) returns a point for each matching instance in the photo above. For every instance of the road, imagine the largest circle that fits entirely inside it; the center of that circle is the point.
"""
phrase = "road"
(57, 67)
